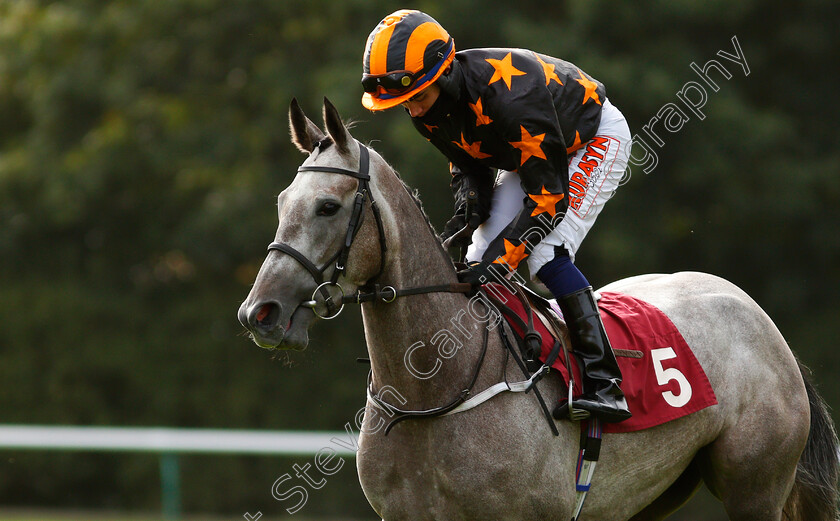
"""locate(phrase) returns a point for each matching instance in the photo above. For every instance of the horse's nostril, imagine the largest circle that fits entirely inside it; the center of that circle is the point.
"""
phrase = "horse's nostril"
(267, 315)
(263, 312)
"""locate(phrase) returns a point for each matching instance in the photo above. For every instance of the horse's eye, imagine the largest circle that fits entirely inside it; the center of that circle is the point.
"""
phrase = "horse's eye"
(328, 208)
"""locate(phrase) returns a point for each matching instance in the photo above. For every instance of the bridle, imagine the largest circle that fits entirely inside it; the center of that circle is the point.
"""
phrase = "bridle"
(389, 294)
(340, 257)
(384, 294)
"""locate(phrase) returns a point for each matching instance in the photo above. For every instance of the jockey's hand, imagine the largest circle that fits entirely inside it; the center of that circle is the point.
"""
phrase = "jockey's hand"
(457, 233)
(482, 272)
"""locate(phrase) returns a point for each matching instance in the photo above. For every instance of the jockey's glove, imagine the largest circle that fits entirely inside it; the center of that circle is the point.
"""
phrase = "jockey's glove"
(482, 272)
(458, 232)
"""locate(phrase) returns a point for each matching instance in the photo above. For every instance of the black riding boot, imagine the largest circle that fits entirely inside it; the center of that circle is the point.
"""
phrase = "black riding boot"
(602, 396)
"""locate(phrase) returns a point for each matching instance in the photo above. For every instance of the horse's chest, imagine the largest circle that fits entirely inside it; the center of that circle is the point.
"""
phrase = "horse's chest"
(444, 481)
(408, 479)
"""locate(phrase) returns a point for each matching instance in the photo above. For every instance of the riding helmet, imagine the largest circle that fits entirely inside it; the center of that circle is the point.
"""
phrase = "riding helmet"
(405, 53)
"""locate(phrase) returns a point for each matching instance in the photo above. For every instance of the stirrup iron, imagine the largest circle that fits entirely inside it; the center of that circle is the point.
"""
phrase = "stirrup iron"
(575, 415)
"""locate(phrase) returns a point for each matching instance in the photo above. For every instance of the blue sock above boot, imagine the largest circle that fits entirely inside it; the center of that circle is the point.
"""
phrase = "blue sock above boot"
(561, 276)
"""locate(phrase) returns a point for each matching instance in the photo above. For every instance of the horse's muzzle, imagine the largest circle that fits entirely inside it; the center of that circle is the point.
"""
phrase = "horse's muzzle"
(262, 319)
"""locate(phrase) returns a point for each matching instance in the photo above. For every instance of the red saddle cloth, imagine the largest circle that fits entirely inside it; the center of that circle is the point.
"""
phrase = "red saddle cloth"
(662, 379)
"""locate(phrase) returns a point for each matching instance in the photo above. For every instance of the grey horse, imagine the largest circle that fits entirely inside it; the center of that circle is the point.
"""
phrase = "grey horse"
(767, 450)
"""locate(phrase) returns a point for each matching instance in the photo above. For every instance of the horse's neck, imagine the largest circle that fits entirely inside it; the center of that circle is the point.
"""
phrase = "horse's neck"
(420, 324)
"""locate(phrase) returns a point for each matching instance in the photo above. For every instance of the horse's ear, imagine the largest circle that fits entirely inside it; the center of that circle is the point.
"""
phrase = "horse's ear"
(305, 133)
(335, 127)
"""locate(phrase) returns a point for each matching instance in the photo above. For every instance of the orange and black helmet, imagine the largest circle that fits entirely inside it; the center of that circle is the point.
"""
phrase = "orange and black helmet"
(405, 53)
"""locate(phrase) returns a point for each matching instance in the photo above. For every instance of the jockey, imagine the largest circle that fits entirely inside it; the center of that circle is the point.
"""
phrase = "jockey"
(560, 149)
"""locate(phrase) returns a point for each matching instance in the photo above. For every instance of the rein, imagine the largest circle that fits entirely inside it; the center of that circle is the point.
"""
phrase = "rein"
(335, 304)
(466, 400)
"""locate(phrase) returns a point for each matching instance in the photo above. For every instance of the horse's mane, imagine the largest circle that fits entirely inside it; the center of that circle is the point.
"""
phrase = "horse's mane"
(415, 196)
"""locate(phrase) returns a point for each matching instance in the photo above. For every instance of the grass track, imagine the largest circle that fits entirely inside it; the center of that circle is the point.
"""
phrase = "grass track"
(58, 515)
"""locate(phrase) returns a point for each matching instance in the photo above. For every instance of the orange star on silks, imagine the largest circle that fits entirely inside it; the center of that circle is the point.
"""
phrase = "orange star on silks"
(473, 149)
(547, 202)
(513, 255)
(590, 88)
(576, 145)
(504, 70)
(529, 145)
(480, 118)
(548, 69)
(430, 128)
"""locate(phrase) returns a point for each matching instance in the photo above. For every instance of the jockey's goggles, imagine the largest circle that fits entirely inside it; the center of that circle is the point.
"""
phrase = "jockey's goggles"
(399, 83)
(394, 83)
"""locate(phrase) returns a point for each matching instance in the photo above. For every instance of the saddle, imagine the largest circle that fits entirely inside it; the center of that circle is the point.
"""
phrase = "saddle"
(547, 313)
(536, 323)
(662, 378)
